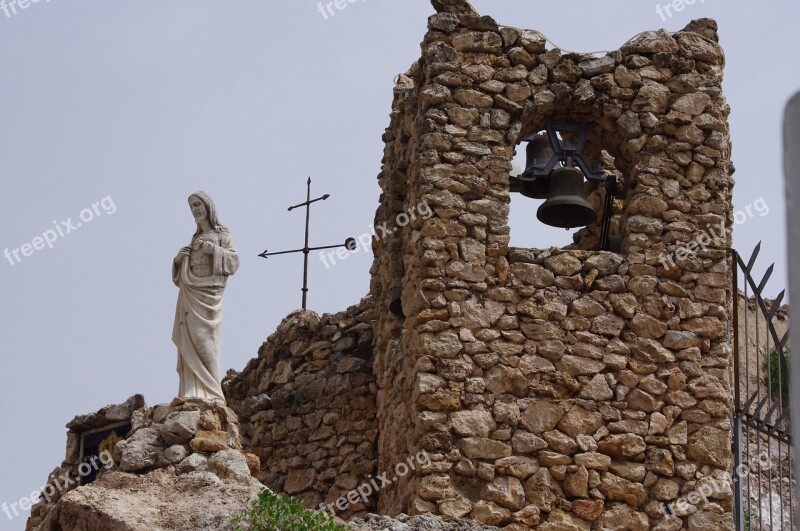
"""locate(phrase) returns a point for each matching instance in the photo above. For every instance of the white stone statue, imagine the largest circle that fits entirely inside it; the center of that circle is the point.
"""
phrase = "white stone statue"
(201, 271)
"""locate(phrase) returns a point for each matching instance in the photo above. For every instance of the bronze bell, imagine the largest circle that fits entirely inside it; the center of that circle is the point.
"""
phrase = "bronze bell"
(537, 155)
(566, 204)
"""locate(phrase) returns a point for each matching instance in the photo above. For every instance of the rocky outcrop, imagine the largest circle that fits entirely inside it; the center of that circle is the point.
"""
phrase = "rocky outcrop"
(164, 499)
(180, 467)
(68, 476)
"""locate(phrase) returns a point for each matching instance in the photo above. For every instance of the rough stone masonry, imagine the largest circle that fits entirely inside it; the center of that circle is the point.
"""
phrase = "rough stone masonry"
(552, 389)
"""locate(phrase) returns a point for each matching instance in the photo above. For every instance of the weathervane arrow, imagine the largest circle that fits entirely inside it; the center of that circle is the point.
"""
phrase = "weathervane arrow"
(350, 243)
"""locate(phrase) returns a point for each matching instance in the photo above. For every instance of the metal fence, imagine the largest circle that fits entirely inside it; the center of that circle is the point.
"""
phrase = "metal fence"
(764, 486)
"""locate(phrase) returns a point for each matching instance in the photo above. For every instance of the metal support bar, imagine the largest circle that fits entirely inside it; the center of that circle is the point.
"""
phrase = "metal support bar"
(791, 165)
(738, 489)
(566, 152)
(761, 417)
(349, 243)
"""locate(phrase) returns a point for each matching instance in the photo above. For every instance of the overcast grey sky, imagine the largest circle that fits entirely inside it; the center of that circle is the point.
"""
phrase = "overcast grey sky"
(125, 108)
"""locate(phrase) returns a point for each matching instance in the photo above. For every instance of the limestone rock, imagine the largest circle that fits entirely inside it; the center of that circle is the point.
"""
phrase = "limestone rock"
(175, 454)
(597, 389)
(529, 516)
(578, 366)
(622, 446)
(180, 427)
(410, 523)
(532, 274)
(502, 379)
(642, 401)
(473, 423)
(616, 488)
(710, 520)
(563, 521)
(518, 466)
(543, 416)
(506, 491)
(700, 48)
(647, 326)
(107, 415)
(158, 500)
(192, 463)
(594, 67)
(230, 464)
(651, 351)
(576, 484)
(490, 513)
(299, 480)
(524, 442)
(141, 451)
(711, 446)
(484, 448)
(593, 460)
(456, 507)
(579, 421)
(210, 441)
(541, 490)
(693, 104)
(651, 42)
(563, 265)
(620, 517)
(608, 325)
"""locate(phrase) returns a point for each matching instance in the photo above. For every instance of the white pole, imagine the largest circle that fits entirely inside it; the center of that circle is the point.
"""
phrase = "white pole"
(791, 167)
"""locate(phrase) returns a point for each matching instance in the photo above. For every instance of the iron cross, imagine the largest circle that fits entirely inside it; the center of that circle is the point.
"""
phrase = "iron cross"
(349, 243)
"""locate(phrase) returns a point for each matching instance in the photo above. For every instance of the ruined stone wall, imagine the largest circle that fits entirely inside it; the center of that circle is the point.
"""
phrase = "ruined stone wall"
(551, 389)
(393, 369)
(555, 389)
(307, 406)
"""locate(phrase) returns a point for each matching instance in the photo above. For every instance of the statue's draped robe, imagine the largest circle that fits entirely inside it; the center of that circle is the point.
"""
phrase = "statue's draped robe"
(198, 315)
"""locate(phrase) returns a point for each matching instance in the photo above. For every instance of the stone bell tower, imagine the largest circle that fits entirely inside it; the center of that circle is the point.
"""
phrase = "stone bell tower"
(558, 388)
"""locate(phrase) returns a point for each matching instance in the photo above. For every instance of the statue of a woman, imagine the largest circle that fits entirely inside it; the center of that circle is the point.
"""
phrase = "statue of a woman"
(200, 271)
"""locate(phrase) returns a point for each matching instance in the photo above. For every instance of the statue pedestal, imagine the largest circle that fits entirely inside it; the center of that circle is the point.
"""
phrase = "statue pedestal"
(185, 456)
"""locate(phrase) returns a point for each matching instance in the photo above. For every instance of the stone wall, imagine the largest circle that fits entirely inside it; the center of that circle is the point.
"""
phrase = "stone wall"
(555, 388)
(307, 406)
(552, 389)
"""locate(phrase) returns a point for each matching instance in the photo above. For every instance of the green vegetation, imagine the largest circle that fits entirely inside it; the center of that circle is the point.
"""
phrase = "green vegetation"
(272, 512)
(778, 378)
